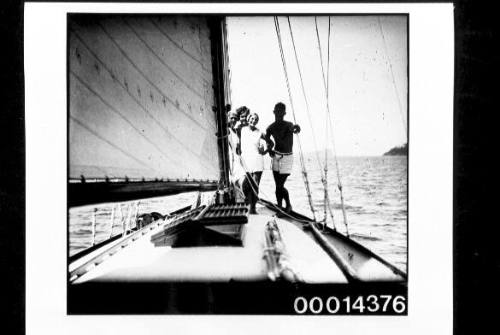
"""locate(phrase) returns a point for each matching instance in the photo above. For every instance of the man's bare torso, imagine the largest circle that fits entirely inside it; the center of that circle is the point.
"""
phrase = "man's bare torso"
(282, 133)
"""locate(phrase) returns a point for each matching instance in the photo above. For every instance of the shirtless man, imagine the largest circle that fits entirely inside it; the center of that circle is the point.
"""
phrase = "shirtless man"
(281, 152)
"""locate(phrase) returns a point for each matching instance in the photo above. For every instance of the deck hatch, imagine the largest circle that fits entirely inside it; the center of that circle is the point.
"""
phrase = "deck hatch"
(214, 225)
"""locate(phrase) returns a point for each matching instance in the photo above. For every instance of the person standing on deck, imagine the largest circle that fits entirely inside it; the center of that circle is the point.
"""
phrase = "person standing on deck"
(232, 118)
(233, 133)
(237, 121)
(281, 151)
(243, 113)
(237, 173)
(252, 151)
(233, 138)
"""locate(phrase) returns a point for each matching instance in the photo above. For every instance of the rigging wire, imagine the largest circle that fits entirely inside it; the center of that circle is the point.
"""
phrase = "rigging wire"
(326, 128)
(326, 123)
(327, 205)
(301, 156)
(392, 77)
(310, 123)
(305, 96)
(266, 197)
(326, 86)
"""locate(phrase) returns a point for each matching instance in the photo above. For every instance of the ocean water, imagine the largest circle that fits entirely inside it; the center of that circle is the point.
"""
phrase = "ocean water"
(375, 201)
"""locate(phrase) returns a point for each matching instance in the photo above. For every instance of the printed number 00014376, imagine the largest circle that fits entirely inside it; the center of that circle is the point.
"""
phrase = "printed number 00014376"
(372, 304)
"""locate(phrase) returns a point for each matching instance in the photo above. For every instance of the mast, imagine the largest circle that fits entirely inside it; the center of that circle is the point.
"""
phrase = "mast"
(220, 66)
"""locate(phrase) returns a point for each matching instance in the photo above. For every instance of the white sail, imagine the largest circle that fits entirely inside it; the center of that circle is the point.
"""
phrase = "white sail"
(141, 98)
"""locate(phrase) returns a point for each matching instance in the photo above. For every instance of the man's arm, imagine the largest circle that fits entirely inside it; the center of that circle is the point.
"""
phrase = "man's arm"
(296, 129)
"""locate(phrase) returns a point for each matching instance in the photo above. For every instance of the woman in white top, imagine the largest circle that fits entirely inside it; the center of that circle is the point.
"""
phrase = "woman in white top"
(252, 151)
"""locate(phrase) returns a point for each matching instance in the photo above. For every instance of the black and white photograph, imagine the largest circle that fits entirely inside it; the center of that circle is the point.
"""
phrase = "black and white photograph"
(225, 164)
(242, 163)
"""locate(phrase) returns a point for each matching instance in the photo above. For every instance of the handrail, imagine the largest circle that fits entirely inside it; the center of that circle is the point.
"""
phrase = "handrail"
(98, 259)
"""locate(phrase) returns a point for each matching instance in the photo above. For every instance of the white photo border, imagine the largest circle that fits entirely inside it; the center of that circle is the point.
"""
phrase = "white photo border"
(430, 289)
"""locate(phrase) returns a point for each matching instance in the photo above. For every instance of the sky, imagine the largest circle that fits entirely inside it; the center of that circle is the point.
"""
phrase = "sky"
(367, 78)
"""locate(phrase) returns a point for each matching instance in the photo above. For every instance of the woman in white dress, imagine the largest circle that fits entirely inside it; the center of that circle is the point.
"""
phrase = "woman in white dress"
(252, 151)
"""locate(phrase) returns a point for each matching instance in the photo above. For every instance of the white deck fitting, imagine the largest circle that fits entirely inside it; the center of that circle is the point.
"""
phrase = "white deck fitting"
(142, 261)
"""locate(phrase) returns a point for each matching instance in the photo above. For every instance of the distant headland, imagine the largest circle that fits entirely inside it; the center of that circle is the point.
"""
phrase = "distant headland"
(398, 151)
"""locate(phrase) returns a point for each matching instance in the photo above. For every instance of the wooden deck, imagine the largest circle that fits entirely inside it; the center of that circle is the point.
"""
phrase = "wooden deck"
(142, 261)
(140, 278)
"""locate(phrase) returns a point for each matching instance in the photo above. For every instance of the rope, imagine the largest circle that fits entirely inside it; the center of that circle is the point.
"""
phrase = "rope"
(304, 94)
(304, 172)
(301, 156)
(276, 255)
(323, 178)
(266, 197)
(392, 76)
(339, 181)
(326, 125)
(329, 123)
(328, 63)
